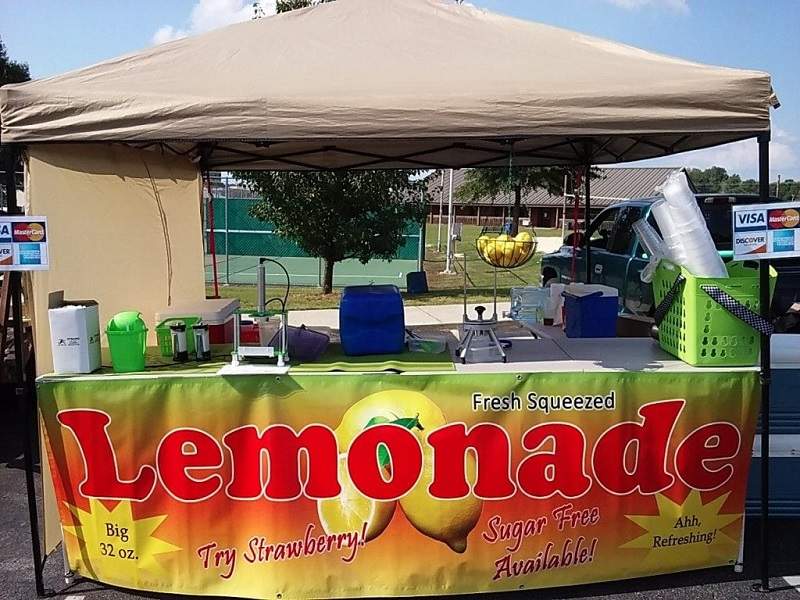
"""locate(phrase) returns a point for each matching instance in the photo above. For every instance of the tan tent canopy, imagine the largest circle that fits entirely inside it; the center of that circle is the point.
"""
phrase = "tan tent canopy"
(393, 83)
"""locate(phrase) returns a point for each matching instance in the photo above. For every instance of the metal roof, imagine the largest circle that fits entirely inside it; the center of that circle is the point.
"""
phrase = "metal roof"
(614, 185)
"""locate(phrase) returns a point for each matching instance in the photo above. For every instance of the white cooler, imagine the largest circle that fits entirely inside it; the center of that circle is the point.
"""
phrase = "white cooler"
(217, 314)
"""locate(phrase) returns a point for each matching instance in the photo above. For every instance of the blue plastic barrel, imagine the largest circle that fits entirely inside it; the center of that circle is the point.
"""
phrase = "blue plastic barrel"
(371, 320)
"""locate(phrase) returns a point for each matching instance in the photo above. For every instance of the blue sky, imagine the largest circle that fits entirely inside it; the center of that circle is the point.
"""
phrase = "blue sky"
(54, 36)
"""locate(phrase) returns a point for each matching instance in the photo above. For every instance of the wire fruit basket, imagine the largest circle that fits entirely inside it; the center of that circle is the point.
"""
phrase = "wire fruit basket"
(500, 250)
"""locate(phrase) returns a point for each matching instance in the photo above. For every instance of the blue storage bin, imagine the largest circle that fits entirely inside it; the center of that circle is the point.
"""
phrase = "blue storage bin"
(371, 320)
(593, 315)
(417, 282)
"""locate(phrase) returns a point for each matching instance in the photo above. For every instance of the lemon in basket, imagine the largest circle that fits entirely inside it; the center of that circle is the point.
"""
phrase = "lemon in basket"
(490, 250)
(504, 255)
(524, 244)
(482, 241)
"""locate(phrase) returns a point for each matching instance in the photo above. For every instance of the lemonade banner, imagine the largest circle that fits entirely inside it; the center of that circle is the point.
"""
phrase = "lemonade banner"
(361, 485)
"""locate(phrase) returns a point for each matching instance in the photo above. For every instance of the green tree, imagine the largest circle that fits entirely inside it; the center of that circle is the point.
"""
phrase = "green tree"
(336, 215)
(10, 72)
(493, 182)
(717, 180)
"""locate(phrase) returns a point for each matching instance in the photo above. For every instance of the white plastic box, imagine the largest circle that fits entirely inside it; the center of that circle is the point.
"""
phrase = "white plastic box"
(74, 334)
(217, 314)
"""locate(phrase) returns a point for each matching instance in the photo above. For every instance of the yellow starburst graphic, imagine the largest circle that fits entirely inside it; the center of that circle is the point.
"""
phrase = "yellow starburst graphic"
(685, 535)
(113, 542)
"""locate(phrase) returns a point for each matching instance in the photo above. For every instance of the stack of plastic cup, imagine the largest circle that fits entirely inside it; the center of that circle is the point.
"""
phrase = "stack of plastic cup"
(685, 231)
(672, 236)
(654, 245)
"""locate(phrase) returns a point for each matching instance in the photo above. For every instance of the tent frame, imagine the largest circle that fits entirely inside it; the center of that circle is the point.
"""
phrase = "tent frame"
(583, 147)
(22, 389)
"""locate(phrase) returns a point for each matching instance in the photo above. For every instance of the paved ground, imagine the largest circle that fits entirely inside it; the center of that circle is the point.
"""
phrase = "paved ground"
(444, 314)
(16, 578)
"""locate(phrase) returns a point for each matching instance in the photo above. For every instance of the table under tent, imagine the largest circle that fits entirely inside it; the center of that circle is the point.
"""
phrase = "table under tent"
(115, 154)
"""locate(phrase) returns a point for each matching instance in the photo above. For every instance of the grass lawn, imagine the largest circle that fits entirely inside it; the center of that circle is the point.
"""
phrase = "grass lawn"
(444, 289)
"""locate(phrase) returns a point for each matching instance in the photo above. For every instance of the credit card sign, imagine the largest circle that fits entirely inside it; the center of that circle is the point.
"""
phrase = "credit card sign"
(766, 231)
(23, 243)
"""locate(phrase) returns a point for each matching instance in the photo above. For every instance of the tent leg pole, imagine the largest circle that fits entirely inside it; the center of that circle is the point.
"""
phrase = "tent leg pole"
(766, 367)
(586, 219)
(21, 389)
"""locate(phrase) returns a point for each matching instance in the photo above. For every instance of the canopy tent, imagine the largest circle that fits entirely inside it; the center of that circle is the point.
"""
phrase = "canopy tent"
(386, 84)
(372, 84)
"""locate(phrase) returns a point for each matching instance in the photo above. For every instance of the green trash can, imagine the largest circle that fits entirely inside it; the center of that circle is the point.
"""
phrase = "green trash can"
(127, 341)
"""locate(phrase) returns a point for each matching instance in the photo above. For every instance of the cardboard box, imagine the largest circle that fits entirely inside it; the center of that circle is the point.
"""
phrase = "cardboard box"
(74, 334)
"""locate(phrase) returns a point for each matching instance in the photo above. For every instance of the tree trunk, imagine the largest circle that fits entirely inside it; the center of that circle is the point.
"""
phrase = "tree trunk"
(517, 209)
(327, 276)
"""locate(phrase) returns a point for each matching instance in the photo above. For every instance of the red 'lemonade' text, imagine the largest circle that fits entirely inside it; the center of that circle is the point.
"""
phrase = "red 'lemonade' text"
(631, 456)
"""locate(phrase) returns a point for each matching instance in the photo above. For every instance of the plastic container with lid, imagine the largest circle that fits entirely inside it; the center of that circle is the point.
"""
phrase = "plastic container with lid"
(591, 311)
(127, 341)
(217, 314)
(371, 320)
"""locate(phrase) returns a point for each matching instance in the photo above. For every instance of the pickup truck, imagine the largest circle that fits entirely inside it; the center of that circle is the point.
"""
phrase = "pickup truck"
(618, 257)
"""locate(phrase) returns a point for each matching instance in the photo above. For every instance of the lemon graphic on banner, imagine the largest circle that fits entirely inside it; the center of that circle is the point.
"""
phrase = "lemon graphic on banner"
(685, 534)
(113, 542)
(348, 511)
(448, 521)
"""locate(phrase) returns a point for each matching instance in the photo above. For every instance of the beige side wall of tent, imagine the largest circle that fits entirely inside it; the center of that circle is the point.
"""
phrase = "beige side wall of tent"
(124, 228)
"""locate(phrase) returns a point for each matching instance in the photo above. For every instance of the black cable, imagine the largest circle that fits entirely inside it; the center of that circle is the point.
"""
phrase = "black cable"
(288, 283)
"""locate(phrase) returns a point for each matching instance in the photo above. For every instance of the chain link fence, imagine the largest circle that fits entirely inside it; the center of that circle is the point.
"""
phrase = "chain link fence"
(240, 240)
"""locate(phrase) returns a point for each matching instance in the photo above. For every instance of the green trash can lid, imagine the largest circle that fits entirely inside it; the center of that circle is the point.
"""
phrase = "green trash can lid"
(129, 320)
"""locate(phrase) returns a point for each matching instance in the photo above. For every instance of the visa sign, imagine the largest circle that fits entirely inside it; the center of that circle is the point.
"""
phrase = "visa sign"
(750, 220)
(765, 231)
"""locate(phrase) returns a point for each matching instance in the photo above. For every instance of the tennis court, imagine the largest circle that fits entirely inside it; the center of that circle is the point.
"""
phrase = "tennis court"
(307, 271)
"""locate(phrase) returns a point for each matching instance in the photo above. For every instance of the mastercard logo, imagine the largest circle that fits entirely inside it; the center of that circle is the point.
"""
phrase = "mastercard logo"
(28, 232)
(787, 218)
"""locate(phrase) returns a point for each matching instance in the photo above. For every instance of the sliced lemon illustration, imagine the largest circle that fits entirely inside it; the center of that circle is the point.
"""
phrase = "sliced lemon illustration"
(351, 509)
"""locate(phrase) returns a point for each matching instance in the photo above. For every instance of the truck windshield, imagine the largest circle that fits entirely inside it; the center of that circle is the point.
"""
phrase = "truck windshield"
(718, 218)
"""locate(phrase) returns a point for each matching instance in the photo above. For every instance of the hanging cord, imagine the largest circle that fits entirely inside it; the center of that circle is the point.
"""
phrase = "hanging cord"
(212, 238)
(165, 228)
(511, 180)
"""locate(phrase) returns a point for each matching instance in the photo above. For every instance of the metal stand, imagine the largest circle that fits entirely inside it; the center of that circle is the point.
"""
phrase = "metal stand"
(480, 328)
(30, 408)
(262, 316)
(766, 367)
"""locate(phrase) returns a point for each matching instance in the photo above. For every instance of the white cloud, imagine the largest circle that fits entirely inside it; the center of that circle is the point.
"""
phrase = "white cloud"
(210, 14)
(740, 157)
(679, 6)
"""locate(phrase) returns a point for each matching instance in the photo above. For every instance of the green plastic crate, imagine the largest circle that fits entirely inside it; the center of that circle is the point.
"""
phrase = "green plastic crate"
(164, 335)
(698, 330)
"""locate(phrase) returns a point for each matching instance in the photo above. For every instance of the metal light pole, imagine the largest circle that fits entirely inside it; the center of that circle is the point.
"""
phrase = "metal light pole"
(448, 267)
(439, 228)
